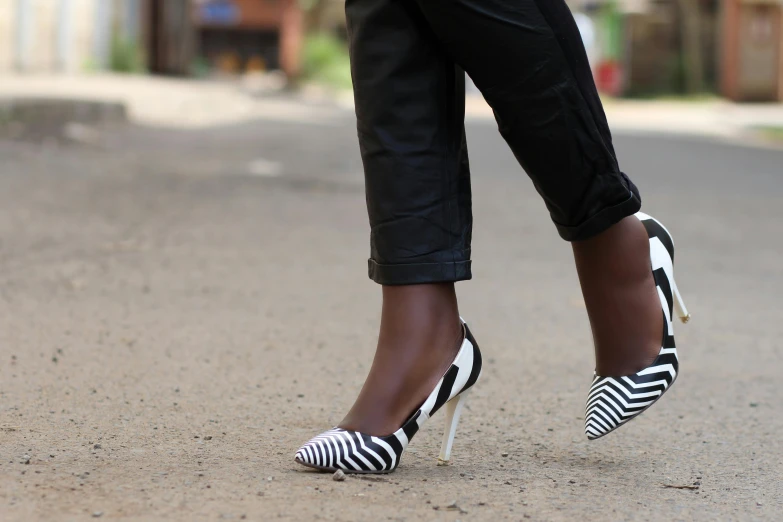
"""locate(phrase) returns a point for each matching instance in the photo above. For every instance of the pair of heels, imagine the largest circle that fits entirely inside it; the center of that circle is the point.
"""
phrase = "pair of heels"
(611, 401)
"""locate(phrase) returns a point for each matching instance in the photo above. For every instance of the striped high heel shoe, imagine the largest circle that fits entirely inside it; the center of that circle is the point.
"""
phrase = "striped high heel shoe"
(355, 452)
(613, 401)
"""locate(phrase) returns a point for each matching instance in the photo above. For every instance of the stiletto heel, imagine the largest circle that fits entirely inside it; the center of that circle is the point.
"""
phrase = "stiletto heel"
(356, 452)
(453, 411)
(679, 305)
(613, 401)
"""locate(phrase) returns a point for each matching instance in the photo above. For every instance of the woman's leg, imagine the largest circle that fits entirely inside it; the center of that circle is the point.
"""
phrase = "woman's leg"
(527, 58)
(410, 110)
(419, 337)
(621, 299)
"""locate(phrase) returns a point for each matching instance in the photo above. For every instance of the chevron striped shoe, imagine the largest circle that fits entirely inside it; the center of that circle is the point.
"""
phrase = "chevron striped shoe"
(355, 452)
(613, 401)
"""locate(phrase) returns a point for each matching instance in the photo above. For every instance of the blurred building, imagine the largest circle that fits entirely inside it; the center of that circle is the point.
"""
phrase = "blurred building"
(162, 36)
(63, 35)
(652, 47)
(249, 35)
(752, 50)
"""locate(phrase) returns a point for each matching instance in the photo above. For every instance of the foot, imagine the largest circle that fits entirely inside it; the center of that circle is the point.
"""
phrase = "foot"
(621, 298)
(419, 338)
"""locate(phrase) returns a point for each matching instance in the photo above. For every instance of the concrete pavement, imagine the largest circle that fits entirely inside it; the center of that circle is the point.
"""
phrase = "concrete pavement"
(180, 309)
(178, 103)
(172, 102)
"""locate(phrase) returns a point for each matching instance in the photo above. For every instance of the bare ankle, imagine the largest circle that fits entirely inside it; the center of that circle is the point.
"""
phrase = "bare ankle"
(419, 337)
(420, 311)
(621, 299)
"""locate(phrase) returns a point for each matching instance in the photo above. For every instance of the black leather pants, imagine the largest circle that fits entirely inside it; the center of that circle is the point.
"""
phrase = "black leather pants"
(527, 58)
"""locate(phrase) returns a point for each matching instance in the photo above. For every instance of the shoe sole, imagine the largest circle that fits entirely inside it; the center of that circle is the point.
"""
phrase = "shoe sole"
(346, 471)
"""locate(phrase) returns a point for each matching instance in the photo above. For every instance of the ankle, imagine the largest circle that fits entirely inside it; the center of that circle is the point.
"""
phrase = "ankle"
(421, 313)
(619, 256)
(621, 298)
(420, 335)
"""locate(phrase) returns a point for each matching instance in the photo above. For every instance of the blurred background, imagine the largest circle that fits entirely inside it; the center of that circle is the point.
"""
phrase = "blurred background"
(183, 292)
(729, 48)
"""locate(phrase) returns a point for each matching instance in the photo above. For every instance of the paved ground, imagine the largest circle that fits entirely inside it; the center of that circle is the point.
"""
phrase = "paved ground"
(188, 104)
(180, 310)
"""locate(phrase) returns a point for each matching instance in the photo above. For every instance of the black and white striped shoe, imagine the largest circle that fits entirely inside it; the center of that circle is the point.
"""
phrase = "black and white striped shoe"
(613, 401)
(355, 452)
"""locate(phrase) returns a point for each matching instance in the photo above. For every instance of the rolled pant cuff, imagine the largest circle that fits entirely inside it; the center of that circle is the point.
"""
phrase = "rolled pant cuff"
(602, 220)
(419, 273)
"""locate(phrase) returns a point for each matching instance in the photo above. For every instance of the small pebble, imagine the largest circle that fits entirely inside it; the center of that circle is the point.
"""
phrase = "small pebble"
(454, 507)
(338, 476)
(504, 454)
(208, 437)
(97, 514)
(96, 446)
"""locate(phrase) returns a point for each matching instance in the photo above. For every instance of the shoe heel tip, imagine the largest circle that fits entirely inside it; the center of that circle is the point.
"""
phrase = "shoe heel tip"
(685, 319)
(442, 462)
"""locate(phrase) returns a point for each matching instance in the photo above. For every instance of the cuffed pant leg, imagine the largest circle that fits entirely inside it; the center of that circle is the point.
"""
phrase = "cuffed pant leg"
(410, 99)
(527, 58)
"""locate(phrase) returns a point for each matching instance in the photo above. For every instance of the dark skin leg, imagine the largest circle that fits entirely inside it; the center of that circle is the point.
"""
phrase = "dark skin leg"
(419, 338)
(421, 334)
(622, 302)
